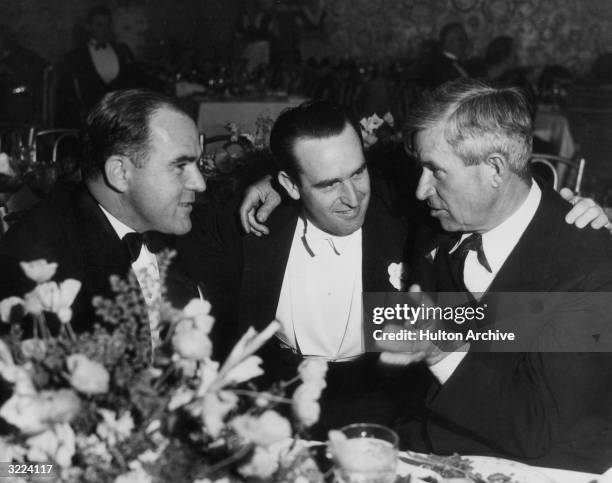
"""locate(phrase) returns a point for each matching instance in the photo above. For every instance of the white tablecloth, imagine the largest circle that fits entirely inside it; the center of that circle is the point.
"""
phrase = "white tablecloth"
(213, 115)
(552, 126)
(521, 472)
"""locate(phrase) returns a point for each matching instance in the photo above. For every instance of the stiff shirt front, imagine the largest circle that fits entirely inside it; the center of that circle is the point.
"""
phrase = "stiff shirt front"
(319, 306)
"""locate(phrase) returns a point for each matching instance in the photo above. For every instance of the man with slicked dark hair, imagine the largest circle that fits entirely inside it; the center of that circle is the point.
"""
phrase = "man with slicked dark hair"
(140, 178)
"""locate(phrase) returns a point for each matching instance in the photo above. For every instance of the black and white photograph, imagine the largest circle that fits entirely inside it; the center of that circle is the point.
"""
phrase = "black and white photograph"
(306, 241)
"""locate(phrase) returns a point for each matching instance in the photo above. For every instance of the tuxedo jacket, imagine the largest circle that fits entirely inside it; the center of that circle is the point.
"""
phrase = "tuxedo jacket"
(243, 276)
(542, 407)
(90, 87)
(70, 229)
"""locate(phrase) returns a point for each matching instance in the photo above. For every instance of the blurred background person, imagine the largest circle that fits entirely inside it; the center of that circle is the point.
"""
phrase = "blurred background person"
(98, 65)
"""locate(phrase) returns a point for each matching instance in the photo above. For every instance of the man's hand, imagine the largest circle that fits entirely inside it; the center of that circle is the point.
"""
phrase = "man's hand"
(260, 200)
(406, 352)
(585, 211)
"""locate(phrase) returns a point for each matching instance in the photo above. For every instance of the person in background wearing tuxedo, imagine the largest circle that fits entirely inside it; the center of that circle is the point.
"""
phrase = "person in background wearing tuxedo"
(506, 233)
(330, 241)
(140, 181)
(97, 66)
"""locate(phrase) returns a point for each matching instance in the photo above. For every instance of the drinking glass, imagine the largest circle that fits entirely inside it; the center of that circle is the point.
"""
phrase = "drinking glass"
(367, 455)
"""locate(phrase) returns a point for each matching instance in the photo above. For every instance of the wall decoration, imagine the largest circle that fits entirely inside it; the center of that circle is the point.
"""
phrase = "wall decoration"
(546, 31)
(465, 5)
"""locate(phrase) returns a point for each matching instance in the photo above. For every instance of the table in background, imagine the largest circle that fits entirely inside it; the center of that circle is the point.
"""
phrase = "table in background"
(552, 126)
(214, 114)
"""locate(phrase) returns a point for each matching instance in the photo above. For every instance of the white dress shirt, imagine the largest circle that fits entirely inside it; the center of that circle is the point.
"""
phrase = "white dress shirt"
(146, 270)
(105, 61)
(497, 245)
(319, 306)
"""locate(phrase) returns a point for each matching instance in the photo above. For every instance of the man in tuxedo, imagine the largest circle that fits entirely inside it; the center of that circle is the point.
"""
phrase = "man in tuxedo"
(140, 181)
(97, 66)
(331, 240)
(551, 406)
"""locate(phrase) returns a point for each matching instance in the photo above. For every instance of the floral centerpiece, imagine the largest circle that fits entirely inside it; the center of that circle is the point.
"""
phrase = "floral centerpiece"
(108, 406)
(242, 148)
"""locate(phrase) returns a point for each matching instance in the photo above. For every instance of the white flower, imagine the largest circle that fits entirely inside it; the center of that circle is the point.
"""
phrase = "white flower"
(91, 445)
(191, 343)
(9, 451)
(181, 397)
(34, 349)
(39, 270)
(371, 124)
(388, 118)
(113, 430)
(248, 344)
(198, 310)
(7, 305)
(56, 444)
(266, 429)
(307, 411)
(262, 465)
(20, 377)
(214, 408)
(312, 369)
(87, 376)
(397, 276)
(136, 475)
(33, 413)
(244, 371)
(369, 139)
(6, 359)
(54, 298)
(305, 401)
(208, 373)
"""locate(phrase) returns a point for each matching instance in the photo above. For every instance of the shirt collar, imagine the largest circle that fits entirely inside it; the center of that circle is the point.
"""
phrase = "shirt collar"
(120, 228)
(95, 45)
(499, 242)
(312, 236)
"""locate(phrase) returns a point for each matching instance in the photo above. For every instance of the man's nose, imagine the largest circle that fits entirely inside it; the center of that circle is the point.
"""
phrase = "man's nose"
(425, 187)
(350, 197)
(195, 182)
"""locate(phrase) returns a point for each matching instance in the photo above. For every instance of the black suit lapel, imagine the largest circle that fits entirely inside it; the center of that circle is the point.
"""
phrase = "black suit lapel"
(383, 241)
(265, 260)
(103, 254)
(529, 265)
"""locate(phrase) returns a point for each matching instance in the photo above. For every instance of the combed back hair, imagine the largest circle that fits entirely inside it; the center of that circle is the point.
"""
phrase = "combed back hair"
(310, 120)
(479, 120)
(119, 124)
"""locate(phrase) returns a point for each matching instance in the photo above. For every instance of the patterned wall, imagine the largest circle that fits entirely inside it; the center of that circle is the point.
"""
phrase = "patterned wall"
(570, 32)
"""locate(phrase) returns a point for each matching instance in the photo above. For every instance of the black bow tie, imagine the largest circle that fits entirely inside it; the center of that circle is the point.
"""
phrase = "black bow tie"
(472, 242)
(99, 45)
(133, 241)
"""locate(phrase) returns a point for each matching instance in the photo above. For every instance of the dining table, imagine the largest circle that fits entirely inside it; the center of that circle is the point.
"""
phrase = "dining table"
(215, 112)
(486, 466)
(551, 125)
(414, 467)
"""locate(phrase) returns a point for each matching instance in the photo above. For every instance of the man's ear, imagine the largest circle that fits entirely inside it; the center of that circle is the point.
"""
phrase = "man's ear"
(290, 186)
(498, 168)
(116, 172)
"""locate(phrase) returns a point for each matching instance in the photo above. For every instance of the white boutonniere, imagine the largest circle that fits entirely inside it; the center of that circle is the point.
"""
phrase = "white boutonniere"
(397, 276)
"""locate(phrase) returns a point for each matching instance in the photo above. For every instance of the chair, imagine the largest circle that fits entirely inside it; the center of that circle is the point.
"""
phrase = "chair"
(562, 171)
